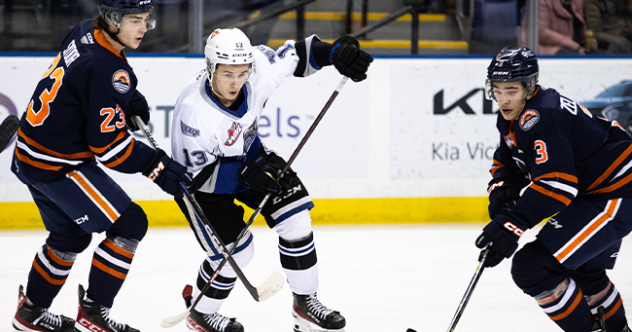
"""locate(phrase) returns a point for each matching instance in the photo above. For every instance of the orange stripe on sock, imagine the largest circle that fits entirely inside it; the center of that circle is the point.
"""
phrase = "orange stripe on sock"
(568, 311)
(56, 258)
(108, 270)
(46, 276)
(613, 310)
(118, 249)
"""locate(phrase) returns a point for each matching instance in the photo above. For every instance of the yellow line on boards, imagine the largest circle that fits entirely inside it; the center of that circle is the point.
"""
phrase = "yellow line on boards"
(334, 16)
(348, 211)
(429, 44)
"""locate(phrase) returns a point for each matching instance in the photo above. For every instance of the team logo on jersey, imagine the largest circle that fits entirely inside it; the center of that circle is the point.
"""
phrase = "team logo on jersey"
(508, 141)
(121, 81)
(189, 131)
(233, 134)
(528, 119)
(249, 135)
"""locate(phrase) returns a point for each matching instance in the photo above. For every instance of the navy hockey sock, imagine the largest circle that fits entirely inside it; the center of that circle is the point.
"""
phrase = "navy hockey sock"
(216, 294)
(610, 300)
(48, 274)
(220, 287)
(298, 254)
(110, 265)
(299, 261)
(566, 306)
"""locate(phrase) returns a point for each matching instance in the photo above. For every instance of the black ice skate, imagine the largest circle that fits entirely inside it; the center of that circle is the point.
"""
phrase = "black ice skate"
(311, 316)
(32, 318)
(95, 317)
(212, 323)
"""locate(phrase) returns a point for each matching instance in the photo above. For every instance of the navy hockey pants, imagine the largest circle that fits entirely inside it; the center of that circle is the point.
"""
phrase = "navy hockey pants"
(86, 201)
(585, 236)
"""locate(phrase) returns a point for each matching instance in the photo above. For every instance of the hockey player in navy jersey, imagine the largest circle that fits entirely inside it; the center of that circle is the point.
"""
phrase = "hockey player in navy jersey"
(215, 135)
(573, 167)
(79, 115)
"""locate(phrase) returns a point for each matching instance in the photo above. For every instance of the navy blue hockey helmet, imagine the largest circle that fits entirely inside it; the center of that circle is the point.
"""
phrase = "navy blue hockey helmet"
(513, 65)
(113, 10)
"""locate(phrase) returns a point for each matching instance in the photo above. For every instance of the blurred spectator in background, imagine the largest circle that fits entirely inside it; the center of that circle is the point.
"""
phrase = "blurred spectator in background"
(562, 29)
(611, 23)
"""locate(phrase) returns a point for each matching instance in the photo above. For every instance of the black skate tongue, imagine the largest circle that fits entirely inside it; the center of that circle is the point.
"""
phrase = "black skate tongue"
(187, 295)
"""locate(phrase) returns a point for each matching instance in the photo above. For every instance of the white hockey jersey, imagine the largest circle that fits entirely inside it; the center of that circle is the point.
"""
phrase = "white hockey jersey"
(207, 135)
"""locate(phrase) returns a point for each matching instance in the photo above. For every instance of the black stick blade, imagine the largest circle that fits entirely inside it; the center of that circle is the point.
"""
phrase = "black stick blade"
(8, 128)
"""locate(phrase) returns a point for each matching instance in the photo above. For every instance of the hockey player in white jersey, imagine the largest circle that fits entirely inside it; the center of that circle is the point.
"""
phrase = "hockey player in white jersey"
(215, 135)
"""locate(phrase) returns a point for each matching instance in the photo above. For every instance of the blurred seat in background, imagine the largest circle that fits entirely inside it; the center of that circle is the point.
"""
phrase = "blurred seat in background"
(494, 25)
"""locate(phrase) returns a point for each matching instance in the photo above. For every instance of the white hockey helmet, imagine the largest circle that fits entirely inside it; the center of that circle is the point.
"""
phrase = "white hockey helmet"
(228, 47)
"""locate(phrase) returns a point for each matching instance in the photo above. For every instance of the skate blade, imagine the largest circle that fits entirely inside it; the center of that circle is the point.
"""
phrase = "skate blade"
(302, 325)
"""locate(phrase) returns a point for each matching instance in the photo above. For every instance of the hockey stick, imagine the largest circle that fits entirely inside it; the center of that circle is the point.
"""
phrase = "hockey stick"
(270, 286)
(470, 288)
(8, 128)
(174, 320)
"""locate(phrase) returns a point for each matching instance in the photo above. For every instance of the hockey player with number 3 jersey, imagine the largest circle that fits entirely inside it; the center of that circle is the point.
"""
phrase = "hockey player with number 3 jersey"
(80, 115)
(215, 135)
(573, 167)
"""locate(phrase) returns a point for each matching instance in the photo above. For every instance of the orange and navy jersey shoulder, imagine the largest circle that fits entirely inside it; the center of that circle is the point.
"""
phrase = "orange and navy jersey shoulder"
(563, 152)
(76, 113)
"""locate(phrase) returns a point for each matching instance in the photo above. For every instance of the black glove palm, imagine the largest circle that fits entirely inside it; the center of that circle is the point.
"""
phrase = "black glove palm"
(137, 106)
(349, 59)
(167, 173)
(503, 232)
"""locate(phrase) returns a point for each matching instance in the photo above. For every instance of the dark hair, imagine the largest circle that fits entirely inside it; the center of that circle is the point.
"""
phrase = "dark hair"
(99, 23)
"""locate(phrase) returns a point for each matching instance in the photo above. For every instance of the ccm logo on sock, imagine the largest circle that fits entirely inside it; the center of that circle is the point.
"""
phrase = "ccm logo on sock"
(512, 228)
(154, 174)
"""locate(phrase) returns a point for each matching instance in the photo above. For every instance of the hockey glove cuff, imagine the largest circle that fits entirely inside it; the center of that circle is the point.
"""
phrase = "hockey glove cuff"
(349, 59)
(137, 106)
(502, 194)
(503, 232)
(260, 175)
(167, 173)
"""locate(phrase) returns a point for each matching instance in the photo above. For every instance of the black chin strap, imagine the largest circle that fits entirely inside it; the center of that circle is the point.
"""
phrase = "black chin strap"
(114, 36)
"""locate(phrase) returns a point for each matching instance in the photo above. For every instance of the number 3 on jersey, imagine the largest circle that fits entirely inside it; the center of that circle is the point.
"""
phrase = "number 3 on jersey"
(36, 118)
(540, 149)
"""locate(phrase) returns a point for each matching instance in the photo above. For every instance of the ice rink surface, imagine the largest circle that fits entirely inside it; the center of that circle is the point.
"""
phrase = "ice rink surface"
(381, 278)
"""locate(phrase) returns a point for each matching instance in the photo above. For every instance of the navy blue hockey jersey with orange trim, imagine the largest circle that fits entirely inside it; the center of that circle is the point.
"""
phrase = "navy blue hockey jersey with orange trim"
(76, 113)
(561, 151)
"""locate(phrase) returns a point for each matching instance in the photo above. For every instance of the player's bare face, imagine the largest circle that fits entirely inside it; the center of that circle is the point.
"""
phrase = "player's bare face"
(133, 28)
(227, 82)
(511, 99)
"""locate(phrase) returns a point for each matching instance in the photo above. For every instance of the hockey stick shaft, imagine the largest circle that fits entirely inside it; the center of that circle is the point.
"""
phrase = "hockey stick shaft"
(171, 321)
(470, 288)
(200, 214)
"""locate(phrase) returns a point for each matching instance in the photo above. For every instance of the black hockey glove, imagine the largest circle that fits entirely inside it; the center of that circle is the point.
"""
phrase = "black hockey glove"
(167, 173)
(137, 106)
(262, 173)
(349, 59)
(503, 232)
(502, 194)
